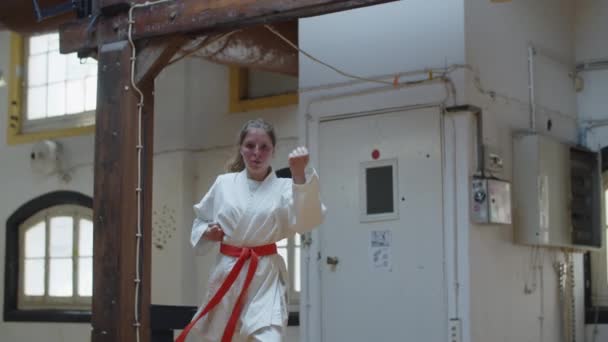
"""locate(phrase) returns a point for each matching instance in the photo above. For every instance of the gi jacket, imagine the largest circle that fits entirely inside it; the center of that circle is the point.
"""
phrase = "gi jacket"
(276, 210)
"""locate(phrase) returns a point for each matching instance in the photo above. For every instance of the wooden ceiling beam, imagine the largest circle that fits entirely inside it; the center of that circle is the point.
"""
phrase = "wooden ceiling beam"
(196, 17)
(153, 55)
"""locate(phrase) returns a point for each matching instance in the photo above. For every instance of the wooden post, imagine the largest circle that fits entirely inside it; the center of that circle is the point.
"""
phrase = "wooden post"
(115, 201)
(145, 262)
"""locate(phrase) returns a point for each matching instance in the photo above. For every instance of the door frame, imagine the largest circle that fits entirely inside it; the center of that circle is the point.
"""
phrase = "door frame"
(457, 138)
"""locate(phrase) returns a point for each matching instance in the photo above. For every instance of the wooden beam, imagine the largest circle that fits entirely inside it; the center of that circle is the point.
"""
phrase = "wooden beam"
(197, 16)
(258, 48)
(153, 55)
(111, 7)
(19, 16)
(115, 205)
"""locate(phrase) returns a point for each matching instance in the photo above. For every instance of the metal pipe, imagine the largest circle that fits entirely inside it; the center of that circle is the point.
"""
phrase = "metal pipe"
(531, 54)
(479, 132)
(595, 123)
(590, 65)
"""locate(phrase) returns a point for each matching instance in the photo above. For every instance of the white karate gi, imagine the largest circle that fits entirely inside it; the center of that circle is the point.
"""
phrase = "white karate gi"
(276, 210)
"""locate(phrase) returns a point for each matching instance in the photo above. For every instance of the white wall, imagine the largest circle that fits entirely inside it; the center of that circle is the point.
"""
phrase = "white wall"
(591, 44)
(497, 36)
(382, 39)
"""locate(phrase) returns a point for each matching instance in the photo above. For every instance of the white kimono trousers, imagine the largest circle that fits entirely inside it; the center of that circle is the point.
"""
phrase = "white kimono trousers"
(276, 210)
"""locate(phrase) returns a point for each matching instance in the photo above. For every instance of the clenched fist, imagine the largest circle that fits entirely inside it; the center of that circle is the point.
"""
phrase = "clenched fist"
(214, 233)
(298, 159)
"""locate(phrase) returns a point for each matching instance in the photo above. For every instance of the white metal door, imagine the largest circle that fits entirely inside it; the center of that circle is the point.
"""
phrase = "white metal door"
(379, 286)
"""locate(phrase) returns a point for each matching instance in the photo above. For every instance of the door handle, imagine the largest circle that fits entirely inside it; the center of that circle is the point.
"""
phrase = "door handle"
(333, 261)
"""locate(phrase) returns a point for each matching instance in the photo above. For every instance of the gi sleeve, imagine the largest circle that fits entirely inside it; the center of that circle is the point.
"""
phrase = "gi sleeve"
(204, 212)
(303, 206)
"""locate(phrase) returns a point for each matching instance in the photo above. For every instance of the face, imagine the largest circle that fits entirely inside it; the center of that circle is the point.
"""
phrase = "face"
(257, 151)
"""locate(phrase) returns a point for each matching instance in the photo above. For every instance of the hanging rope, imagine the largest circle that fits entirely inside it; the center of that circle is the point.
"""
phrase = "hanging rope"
(139, 147)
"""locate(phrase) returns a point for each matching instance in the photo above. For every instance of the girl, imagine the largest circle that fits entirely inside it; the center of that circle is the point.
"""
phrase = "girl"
(246, 212)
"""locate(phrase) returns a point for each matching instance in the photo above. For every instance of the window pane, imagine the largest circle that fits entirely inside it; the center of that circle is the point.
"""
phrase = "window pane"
(296, 270)
(76, 70)
(57, 63)
(85, 243)
(264, 83)
(35, 239)
(91, 67)
(297, 239)
(61, 236)
(56, 99)
(283, 253)
(379, 185)
(54, 42)
(38, 44)
(60, 278)
(85, 277)
(33, 277)
(36, 70)
(36, 103)
(75, 90)
(91, 93)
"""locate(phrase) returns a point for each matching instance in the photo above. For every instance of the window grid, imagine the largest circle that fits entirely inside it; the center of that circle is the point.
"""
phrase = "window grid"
(49, 85)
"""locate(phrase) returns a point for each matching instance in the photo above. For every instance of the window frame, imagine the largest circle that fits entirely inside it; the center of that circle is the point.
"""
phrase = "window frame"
(16, 132)
(12, 312)
(239, 79)
(364, 217)
(43, 302)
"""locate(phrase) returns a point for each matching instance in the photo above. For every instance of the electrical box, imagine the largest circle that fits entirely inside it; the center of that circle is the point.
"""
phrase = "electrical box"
(490, 201)
(558, 198)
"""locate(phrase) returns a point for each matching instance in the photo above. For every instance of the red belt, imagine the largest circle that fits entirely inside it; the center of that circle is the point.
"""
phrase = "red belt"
(242, 253)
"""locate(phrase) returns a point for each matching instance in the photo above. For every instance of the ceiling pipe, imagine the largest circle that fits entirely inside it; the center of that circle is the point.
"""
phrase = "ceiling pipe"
(479, 145)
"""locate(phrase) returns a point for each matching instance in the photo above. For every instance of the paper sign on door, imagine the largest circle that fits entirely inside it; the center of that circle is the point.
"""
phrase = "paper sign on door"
(380, 250)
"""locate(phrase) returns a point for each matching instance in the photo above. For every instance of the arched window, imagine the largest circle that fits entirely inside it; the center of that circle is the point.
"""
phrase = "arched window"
(49, 260)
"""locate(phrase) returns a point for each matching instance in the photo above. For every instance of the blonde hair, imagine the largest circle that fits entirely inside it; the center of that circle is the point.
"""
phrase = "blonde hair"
(236, 163)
